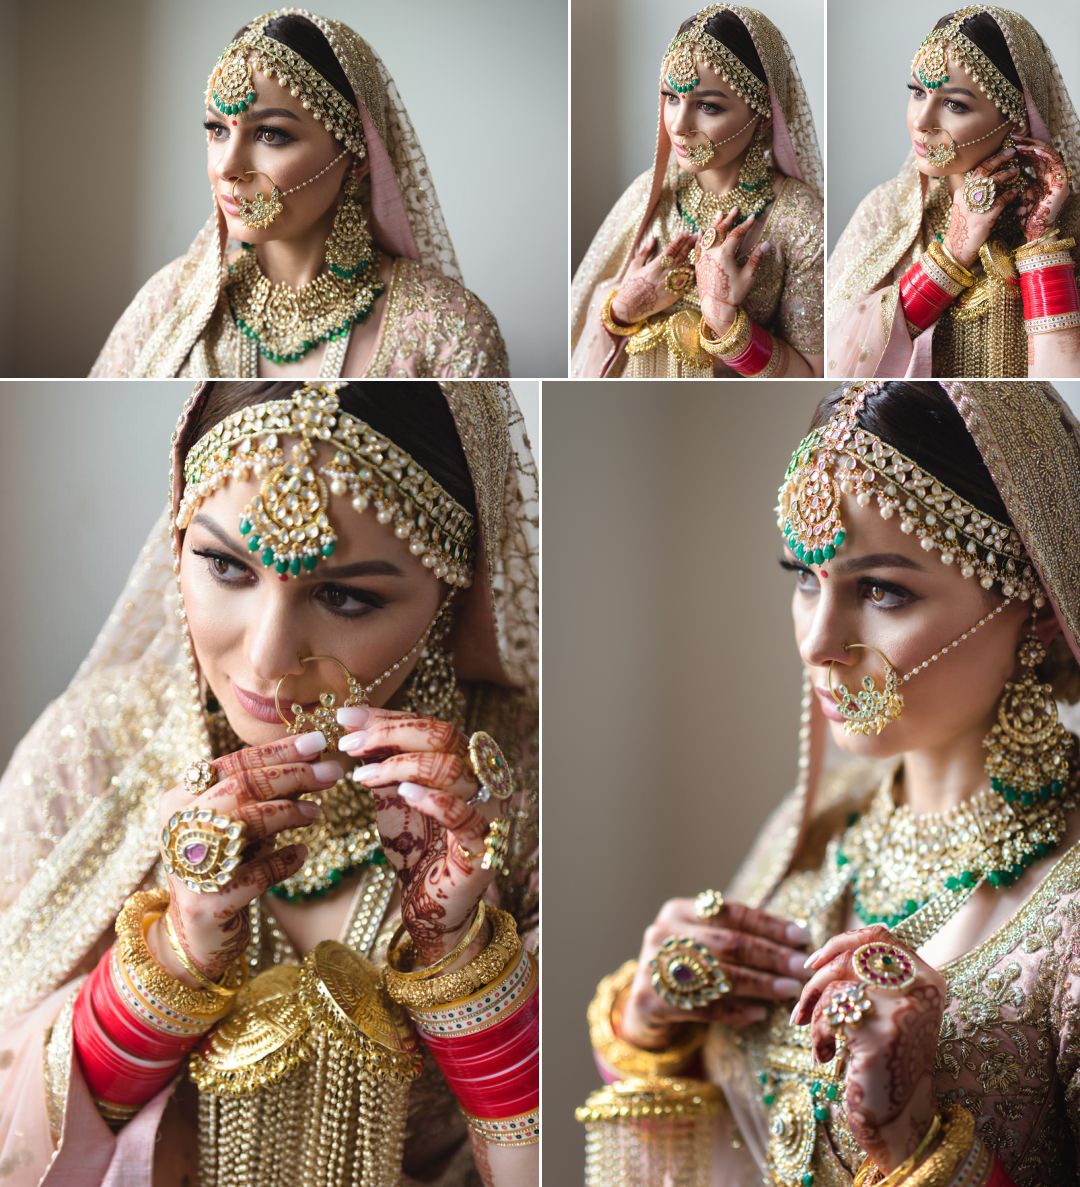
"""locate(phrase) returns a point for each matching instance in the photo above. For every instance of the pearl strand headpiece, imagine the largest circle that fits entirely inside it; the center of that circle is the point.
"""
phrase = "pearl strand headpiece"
(231, 87)
(842, 458)
(287, 522)
(686, 50)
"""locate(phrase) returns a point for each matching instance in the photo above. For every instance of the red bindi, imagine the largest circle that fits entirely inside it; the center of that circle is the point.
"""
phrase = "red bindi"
(823, 573)
(234, 123)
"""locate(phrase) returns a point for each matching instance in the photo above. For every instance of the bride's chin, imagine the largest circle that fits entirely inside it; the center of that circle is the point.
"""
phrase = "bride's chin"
(875, 746)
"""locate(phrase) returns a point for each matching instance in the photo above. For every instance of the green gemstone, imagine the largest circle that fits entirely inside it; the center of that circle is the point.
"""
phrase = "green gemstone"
(1010, 795)
(832, 1091)
(282, 565)
(815, 1088)
(911, 906)
(968, 878)
(764, 1077)
(245, 527)
(328, 549)
(952, 883)
(838, 539)
(310, 562)
(841, 859)
(253, 543)
(995, 782)
(994, 878)
(808, 1179)
(268, 556)
(769, 1098)
(821, 1113)
(828, 552)
(294, 565)
(1027, 799)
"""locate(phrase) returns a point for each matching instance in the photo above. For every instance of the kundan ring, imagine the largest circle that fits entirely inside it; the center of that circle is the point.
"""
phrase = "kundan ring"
(678, 280)
(848, 1006)
(884, 966)
(199, 776)
(708, 238)
(979, 193)
(686, 974)
(202, 848)
(490, 767)
(708, 904)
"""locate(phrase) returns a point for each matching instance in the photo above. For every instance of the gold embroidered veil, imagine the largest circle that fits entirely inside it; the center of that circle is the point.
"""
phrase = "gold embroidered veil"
(78, 802)
(795, 153)
(405, 216)
(887, 225)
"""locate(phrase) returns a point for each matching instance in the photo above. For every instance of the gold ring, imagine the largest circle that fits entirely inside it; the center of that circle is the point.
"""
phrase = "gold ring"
(200, 776)
(848, 1006)
(202, 848)
(686, 974)
(708, 904)
(493, 772)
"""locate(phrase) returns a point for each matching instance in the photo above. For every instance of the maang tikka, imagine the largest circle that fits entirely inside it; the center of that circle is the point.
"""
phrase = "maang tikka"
(1028, 749)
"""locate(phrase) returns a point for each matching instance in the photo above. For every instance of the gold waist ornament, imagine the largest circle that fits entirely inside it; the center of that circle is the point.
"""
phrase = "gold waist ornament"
(307, 1080)
(984, 332)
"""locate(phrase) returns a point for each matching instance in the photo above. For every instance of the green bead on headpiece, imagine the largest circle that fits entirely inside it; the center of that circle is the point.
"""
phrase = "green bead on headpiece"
(232, 85)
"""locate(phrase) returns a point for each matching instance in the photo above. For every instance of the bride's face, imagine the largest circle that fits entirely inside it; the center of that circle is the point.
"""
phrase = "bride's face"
(366, 606)
(281, 141)
(711, 111)
(958, 109)
(884, 590)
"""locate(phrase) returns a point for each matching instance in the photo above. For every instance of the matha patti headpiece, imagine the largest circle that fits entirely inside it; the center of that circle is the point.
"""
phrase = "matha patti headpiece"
(231, 87)
(842, 458)
(931, 64)
(686, 50)
(287, 521)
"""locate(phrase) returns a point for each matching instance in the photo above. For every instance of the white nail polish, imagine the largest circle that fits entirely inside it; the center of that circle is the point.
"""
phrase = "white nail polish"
(367, 772)
(354, 716)
(327, 772)
(307, 744)
(353, 742)
(791, 1020)
(411, 792)
(787, 986)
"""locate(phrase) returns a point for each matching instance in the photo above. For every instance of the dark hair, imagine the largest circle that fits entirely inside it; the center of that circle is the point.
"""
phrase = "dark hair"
(922, 422)
(984, 31)
(414, 414)
(728, 29)
(299, 34)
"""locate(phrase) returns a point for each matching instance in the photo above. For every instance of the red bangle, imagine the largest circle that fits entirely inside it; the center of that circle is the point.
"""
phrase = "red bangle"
(465, 1046)
(109, 1070)
(125, 1027)
(1047, 292)
(922, 298)
(757, 355)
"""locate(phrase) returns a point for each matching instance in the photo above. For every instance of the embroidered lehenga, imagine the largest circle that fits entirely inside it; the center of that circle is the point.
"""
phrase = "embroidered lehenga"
(1009, 1047)
(981, 333)
(182, 323)
(788, 291)
(79, 834)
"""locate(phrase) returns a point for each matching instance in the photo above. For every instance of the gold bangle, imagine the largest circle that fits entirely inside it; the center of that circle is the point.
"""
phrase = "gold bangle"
(204, 981)
(424, 971)
(448, 988)
(1047, 244)
(900, 1173)
(608, 318)
(733, 341)
(623, 1057)
(958, 1135)
(950, 265)
(133, 951)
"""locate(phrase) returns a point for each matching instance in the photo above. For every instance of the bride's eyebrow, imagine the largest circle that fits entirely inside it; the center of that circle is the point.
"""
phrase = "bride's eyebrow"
(875, 560)
(202, 520)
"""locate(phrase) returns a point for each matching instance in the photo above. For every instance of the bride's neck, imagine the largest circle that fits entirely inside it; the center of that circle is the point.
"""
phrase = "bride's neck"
(299, 260)
(720, 179)
(939, 778)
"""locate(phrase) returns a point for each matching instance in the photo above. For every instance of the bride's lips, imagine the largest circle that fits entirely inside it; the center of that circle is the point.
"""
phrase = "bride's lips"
(919, 150)
(828, 704)
(230, 207)
(680, 151)
(262, 708)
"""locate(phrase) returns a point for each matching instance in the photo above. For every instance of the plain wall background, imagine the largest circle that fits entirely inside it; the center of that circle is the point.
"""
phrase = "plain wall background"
(83, 514)
(616, 49)
(870, 50)
(110, 159)
(671, 681)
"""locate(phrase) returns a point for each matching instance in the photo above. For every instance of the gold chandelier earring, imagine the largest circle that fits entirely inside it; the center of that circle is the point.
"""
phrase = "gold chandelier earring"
(871, 709)
(349, 250)
(432, 688)
(1028, 749)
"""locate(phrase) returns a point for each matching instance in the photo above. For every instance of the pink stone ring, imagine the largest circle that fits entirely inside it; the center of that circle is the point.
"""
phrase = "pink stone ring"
(202, 848)
(686, 974)
(884, 966)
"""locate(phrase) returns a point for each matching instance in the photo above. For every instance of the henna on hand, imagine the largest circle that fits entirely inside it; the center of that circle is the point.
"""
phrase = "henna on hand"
(638, 298)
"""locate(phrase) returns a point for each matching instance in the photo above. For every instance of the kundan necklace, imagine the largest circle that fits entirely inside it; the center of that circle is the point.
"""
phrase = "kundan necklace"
(285, 323)
(752, 193)
(344, 839)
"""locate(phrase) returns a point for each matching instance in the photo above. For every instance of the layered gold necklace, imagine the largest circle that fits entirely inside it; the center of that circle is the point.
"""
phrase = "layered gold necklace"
(752, 193)
(286, 323)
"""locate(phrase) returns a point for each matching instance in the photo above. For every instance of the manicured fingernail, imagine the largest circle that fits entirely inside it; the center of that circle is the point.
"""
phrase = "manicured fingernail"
(787, 986)
(327, 772)
(411, 792)
(353, 743)
(369, 772)
(353, 717)
(765, 245)
(798, 967)
(311, 743)
(812, 957)
(310, 809)
(797, 934)
(794, 1015)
